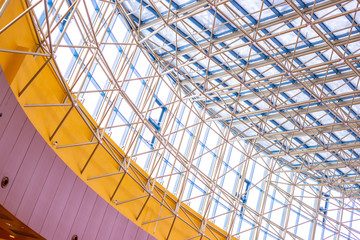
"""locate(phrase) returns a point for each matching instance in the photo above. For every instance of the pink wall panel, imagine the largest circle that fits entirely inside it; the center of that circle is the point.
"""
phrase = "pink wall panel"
(43, 192)
(68, 215)
(14, 160)
(7, 106)
(107, 223)
(96, 217)
(58, 204)
(83, 214)
(47, 195)
(130, 231)
(4, 86)
(10, 135)
(119, 227)
(35, 185)
(19, 185)
(141, 234)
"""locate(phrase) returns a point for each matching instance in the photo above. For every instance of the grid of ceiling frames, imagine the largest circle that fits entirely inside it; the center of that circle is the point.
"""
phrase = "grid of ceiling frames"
(247, 111)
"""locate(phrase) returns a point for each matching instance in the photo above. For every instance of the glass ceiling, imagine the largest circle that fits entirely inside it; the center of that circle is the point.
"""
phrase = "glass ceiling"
(247, 111)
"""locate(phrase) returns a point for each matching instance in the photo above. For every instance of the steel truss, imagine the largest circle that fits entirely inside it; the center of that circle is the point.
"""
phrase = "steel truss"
(261, 112)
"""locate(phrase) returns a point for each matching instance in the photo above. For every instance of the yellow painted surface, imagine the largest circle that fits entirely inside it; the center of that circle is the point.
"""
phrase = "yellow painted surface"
(47, 89)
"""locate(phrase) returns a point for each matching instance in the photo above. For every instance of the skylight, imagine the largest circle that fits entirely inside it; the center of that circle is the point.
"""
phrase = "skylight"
(247, 111)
